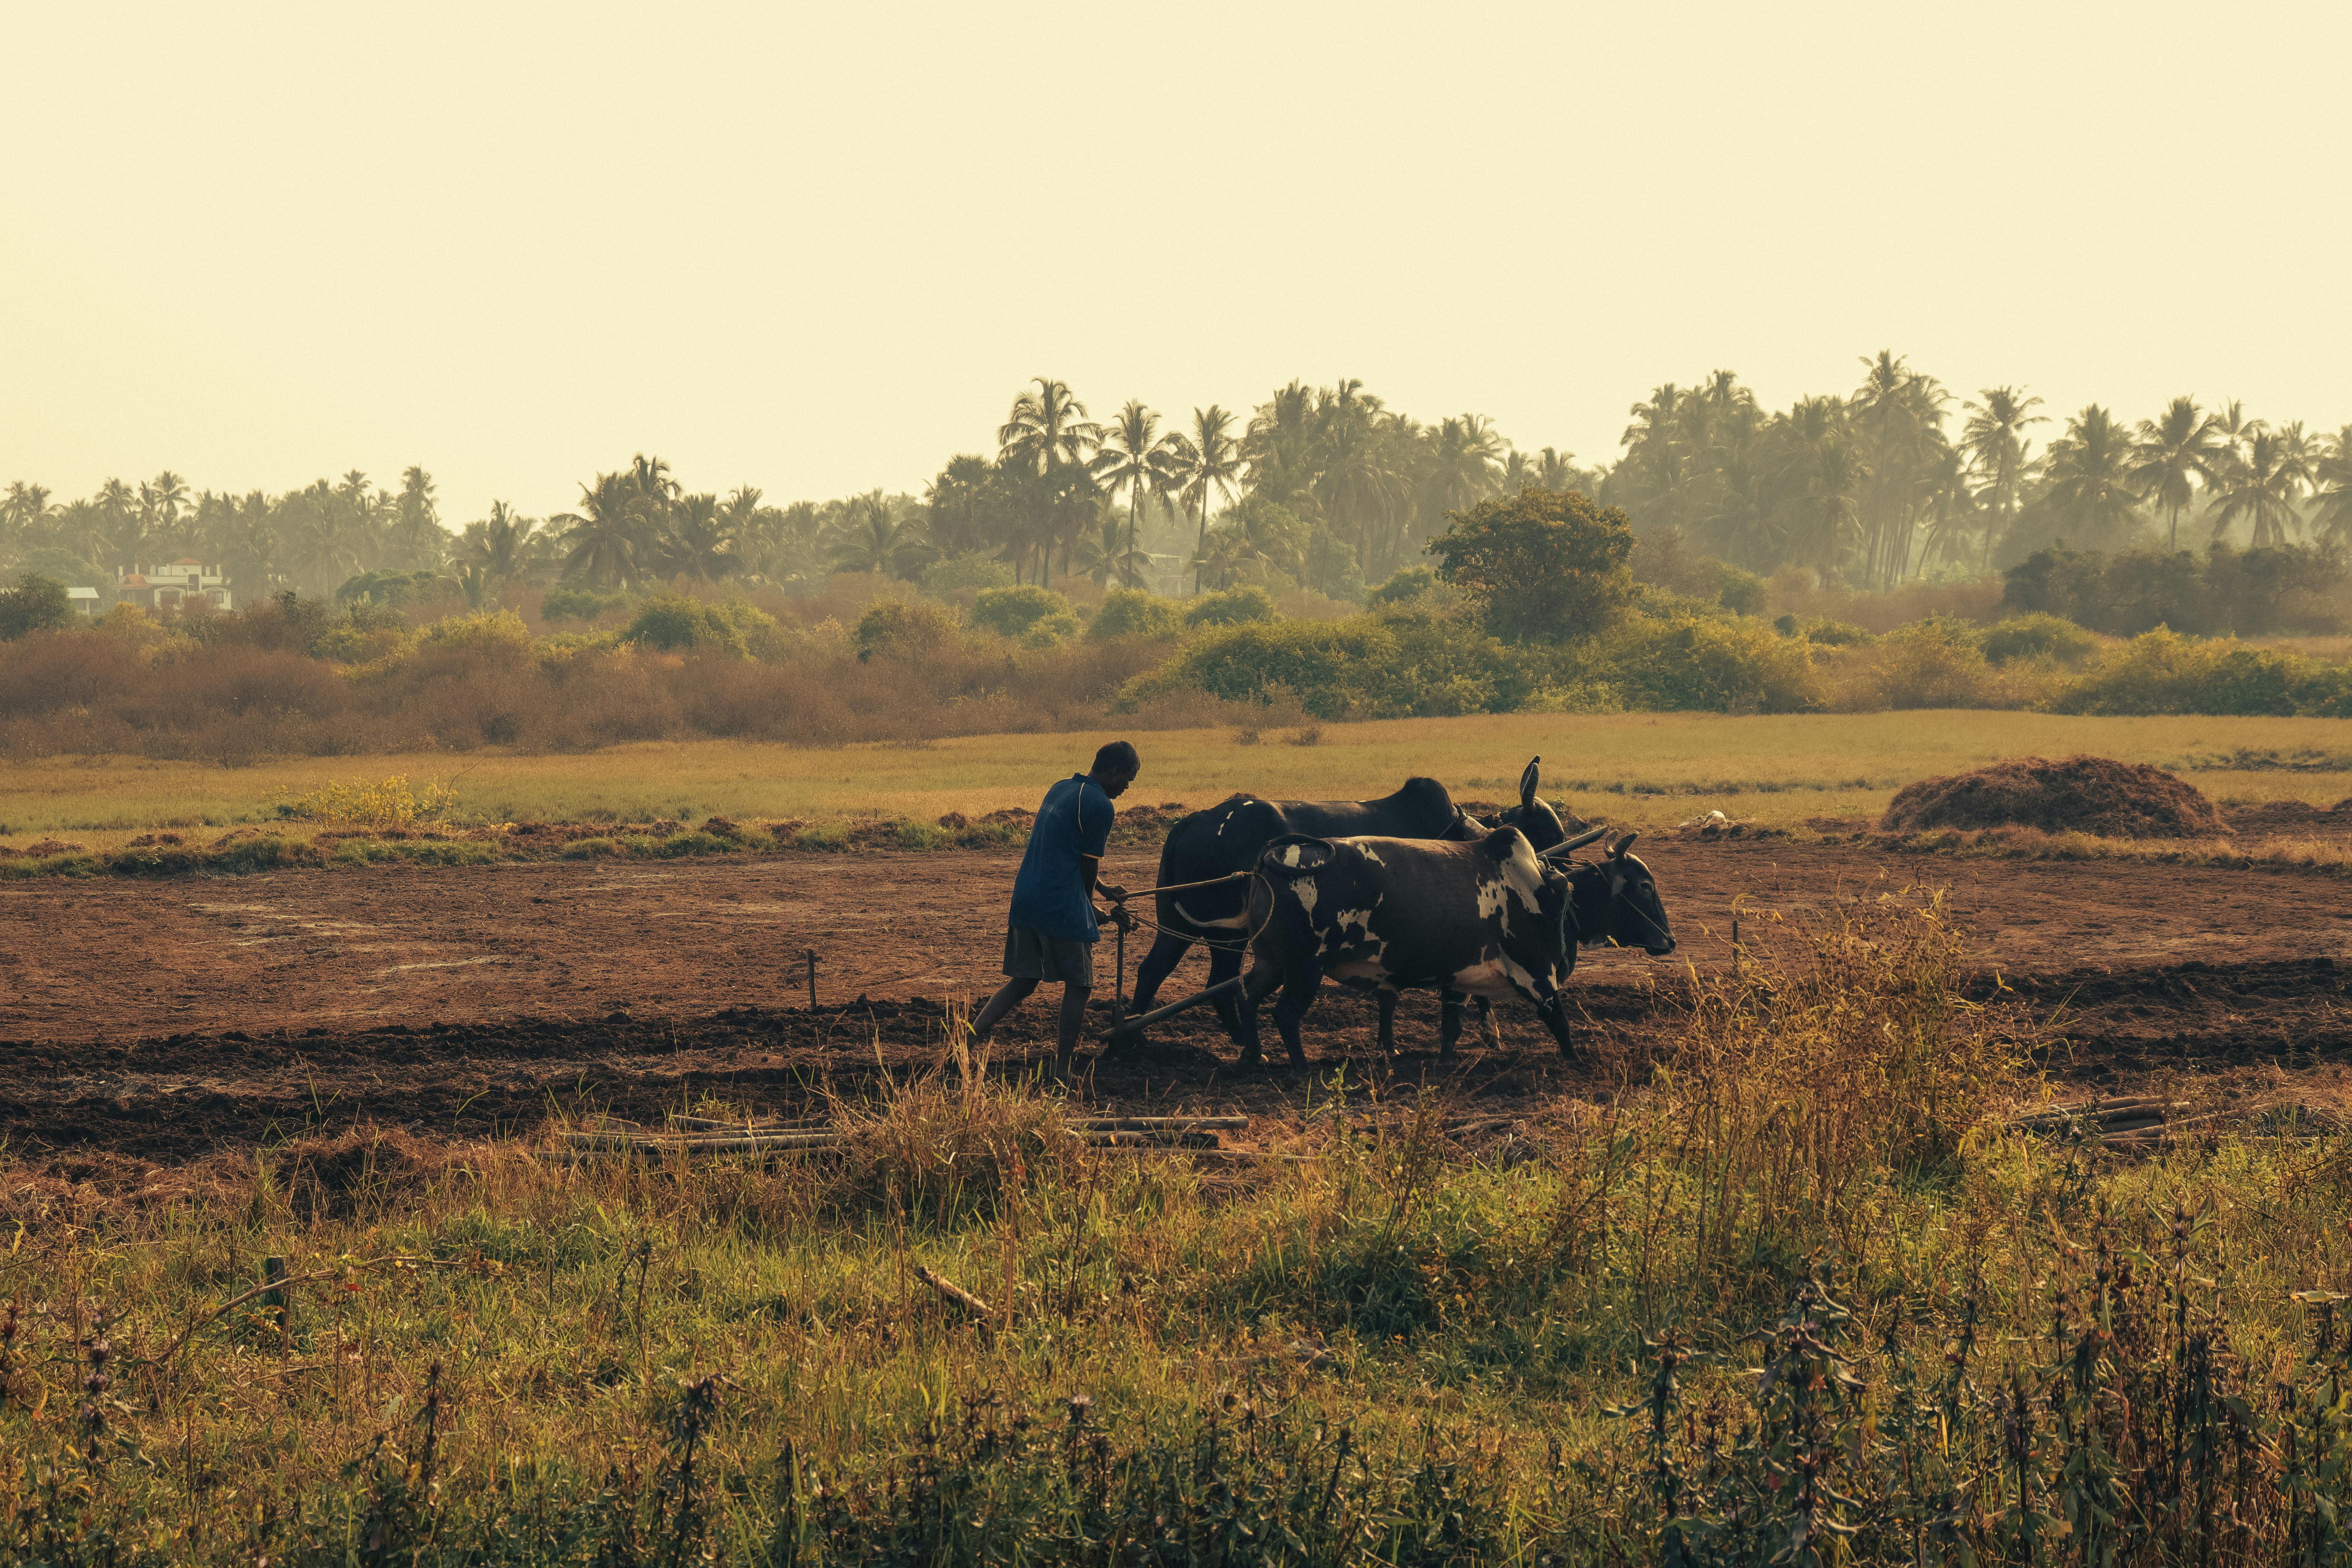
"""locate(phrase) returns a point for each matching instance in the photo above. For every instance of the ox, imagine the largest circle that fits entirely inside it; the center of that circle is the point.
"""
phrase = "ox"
(1489, 919)
(1228, 838)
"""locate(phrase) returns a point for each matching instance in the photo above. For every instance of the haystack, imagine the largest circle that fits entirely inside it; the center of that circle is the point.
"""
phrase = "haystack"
(2080, 795)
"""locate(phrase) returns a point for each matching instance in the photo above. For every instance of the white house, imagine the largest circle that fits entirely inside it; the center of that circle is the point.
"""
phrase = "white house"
(84, 600)
(168, 587)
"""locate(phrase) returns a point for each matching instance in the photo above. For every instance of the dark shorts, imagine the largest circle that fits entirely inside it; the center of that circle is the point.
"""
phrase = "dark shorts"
(1029, 956)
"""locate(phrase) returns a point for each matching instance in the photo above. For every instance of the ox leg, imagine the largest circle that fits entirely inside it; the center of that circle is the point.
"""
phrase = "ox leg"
(1297, 995)
(1449, 1019)
(1553, 1011)
(1167, 953)
(1264, 977)
(1224, 963)
(1489, 1035)
(1387, 1002)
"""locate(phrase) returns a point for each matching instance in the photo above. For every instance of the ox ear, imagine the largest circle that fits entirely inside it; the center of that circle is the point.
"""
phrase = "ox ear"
(1617, 850)
(1561, 850)
(1529, 778)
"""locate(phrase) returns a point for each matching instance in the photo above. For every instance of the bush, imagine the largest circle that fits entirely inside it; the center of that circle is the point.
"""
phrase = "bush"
(1406, 585)
(1719, 664)
(1026, 612)
(966, 574)
(1397, 664)
(1933, 663)
(389, 588)
(1230, 607)
(577, 603)
(1132, 612)
(2038, 636)
(1820, 631)
(675, 623)
(35, 604)
(2163, 672)
(904, 628)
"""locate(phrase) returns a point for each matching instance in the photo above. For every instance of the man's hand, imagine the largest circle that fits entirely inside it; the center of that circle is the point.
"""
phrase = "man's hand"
(1116, 895)
(1121, 918)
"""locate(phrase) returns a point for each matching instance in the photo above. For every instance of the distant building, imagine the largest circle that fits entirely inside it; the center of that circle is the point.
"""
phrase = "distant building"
(85, 600)
(172, 586)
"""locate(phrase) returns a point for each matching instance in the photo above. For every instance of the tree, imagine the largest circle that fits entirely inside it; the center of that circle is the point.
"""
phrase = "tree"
(2332, 484)
(1103, 555)
(878, 536)
(1208, 465)
(2184, 445)
(2091, 495)
(2262, 487)
(1897, 418)
(605, 538)
(699, 544)
(1136, 457)
(1544, 565)
(1047, 429)
(500, 545)
(1999, 454)
(35, 604)
(1467, 457)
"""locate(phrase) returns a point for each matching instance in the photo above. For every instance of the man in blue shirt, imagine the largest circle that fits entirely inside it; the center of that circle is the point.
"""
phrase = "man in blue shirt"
(1051, 929)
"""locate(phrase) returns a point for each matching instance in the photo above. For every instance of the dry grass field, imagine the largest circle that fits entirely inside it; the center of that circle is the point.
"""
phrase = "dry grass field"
(1644, 769)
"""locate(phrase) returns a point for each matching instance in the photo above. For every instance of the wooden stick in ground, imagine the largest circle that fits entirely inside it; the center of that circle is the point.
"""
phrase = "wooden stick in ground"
(1157, 1123)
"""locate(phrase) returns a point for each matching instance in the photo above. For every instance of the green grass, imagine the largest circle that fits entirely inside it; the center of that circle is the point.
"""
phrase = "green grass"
(1645, 770)
(1396, 1353)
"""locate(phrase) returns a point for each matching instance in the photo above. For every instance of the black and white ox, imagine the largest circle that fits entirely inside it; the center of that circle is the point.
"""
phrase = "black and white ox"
(1491, 919)
(1228, 838)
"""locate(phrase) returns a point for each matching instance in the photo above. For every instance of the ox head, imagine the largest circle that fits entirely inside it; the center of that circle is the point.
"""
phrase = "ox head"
(1617, 900)
(1532, 816)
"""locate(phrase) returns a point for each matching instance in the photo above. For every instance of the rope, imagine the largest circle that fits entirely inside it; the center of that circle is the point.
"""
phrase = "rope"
(1181, 887)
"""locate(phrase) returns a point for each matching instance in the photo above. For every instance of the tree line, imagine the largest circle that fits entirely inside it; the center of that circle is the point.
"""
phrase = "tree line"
(1320, 486)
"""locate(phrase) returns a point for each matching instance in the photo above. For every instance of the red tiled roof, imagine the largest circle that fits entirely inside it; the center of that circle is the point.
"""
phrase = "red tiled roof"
(134, 581)
(187, 561)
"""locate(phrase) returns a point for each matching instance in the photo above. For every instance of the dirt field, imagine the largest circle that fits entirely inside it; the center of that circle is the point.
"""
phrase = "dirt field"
(146, 1022)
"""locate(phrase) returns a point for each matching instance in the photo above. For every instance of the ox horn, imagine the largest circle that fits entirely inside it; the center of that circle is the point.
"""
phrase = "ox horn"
(1589, 835)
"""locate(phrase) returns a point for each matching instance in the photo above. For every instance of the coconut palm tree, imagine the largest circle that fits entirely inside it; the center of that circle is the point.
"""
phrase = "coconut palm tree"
(1556, 471)
(1047, 429)
(1466, 454)
(2091, 490)
(1823, 516)
(1208, 465)
(876, 535)
(1135, 457)
(1103, 555)
(1999, 454)
(2184, 445)
(698, 544)
(2262, 485)
(605, 537)
(2331, 488)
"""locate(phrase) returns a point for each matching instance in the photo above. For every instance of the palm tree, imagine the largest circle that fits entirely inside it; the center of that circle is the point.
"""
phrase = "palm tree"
(2331, 488)
(501, 544)
(877, 536)
(1102, 557)
(698, 544)
(1556, 471)
(119, 529)
(2262, 485)
(2091, 487)
(1208, 465)
(605, 536)
(1994, 439)
(1824, 514)
(1466, 451)
(1135, 457)
(1048, 428)
(2186, 444)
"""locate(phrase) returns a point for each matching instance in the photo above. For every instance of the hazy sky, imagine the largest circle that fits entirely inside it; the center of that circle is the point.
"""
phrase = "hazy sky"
(819, 248)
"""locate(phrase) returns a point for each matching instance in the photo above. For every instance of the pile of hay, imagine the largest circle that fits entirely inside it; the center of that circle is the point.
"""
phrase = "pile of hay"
(2080, 795)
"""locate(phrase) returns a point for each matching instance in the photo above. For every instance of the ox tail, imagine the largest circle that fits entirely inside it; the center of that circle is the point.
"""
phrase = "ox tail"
(1227, 922)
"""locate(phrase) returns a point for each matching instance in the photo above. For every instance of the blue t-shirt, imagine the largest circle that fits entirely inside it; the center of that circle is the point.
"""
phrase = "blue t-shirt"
(1049, 896)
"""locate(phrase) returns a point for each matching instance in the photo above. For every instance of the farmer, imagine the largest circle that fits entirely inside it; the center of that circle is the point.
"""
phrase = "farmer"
(1052, 927)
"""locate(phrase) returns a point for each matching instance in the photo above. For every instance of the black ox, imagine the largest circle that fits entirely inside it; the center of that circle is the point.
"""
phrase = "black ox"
(1489, 919)
(1228, 838)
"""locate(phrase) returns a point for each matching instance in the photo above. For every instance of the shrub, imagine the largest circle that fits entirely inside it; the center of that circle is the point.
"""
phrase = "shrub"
(2038, 636)
(2163, 672)
(1406, 585)
(1132, 612)
(966, 574)
(1026, 612)
(35, 604)
(1366, 666)
(577, 603)
(675, 623)
(1718, 663)
(1933, 663)
(903, 629)
(389, 587)
(1230, 607)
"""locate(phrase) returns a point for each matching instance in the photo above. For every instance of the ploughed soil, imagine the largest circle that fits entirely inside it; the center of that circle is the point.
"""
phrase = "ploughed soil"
(145, 1023)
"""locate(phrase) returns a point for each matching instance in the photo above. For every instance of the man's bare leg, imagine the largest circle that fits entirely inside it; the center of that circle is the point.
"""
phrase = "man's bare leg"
(1073, 1022)
(1009, 995)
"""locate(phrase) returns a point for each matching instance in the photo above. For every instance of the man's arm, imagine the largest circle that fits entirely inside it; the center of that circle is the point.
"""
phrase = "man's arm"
(1090, 868)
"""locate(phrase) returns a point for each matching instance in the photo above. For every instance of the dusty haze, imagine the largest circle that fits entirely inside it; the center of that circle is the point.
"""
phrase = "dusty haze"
(817, 250)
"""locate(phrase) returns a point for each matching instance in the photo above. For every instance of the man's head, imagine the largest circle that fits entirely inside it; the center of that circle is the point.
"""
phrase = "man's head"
(1115, 768)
